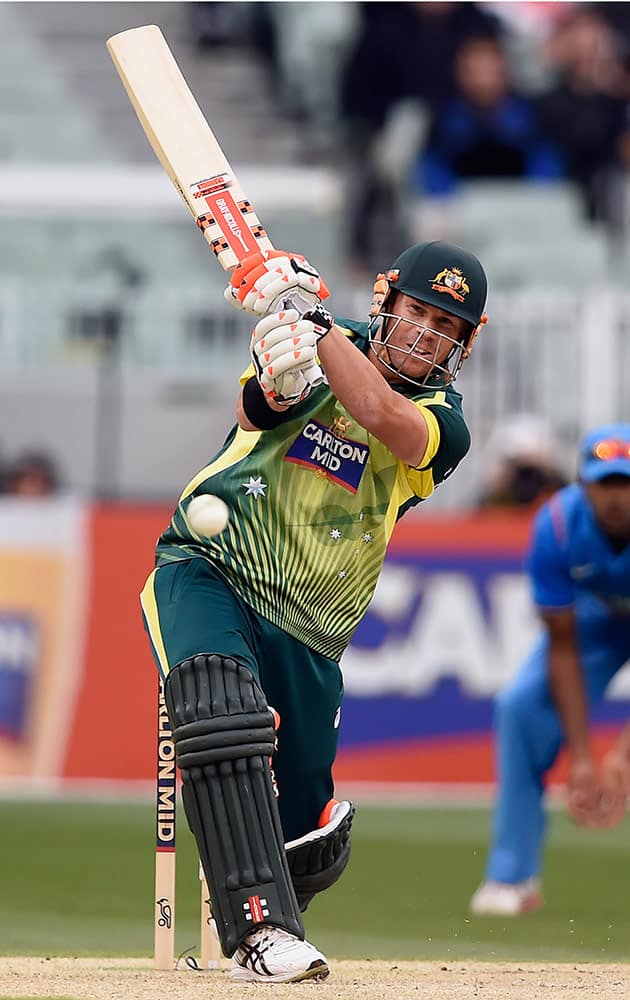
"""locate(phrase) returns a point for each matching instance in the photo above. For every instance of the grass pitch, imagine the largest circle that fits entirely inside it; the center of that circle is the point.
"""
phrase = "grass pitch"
(78, 880)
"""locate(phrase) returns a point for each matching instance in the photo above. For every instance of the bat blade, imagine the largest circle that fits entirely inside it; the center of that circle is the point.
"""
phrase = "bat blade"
(185, 145)
(188, 150)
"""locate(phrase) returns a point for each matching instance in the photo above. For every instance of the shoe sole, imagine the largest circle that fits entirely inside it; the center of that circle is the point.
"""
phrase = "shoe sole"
(318, 970)
(529, 905)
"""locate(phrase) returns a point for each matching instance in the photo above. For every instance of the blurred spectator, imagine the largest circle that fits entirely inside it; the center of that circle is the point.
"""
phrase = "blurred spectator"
(413, 46)
(524, 469)
(586, 113)
(32, 474)
(403, 56)
(485, 130)
(218, 23)
(617, 17)
(526, 27)
(305, 45)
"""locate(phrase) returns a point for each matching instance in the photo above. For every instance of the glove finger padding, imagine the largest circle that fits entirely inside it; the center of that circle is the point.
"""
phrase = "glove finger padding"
(318, 859)
(262, 282)
(280, 326)
(285, 342)
(282, 371)
(280, 359)
(293, 337)
(283, 347)
(264, 326)
(298, 352)
(292, 387)
(272, 290)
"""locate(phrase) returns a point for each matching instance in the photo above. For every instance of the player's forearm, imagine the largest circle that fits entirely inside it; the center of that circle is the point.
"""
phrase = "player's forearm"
(567, 689)
(255, 411)
(355, 382)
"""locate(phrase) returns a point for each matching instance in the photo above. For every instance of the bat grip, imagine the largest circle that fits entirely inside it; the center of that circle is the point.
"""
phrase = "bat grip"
(314, 375)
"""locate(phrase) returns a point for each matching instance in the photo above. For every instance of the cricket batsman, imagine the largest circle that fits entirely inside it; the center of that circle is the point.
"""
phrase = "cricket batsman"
(248, 627)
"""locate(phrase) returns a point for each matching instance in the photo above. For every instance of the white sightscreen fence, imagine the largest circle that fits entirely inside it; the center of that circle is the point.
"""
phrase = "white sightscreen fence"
(560, 355)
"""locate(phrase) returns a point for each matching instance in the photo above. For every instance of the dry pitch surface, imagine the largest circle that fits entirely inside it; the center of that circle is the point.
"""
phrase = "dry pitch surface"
(134, 979)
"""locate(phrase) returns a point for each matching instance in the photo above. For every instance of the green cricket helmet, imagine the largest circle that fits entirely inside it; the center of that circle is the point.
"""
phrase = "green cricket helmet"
(438, 274)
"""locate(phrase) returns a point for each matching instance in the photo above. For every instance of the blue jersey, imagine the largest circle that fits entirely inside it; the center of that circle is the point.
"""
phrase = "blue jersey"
(573, 565)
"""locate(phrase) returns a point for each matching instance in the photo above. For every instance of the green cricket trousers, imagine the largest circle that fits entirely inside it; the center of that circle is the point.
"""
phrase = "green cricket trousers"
(189, 608)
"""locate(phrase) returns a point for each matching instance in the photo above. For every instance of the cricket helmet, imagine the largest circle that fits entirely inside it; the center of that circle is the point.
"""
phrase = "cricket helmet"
(439, 274)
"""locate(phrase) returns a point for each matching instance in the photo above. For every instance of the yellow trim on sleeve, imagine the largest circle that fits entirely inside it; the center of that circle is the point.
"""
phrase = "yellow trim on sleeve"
(416, 482)
(400, 494)
(247, 374)
(347, 332)
(244, 442)
(433, 440)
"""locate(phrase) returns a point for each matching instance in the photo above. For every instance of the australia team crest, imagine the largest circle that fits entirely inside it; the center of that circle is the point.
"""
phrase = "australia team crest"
(452, 281)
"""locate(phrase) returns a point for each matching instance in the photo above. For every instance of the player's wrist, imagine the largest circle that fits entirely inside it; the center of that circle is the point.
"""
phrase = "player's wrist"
(257, 408)
(322, 320)
(277, 399)
(581, 762)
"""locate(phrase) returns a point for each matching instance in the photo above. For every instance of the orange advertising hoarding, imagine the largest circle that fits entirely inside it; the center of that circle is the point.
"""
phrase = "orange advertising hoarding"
(113, 734)
(78, 686)
(43, 574)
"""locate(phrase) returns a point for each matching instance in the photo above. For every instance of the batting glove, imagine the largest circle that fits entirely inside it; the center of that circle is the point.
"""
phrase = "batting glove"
(284, 352)
(273, 280)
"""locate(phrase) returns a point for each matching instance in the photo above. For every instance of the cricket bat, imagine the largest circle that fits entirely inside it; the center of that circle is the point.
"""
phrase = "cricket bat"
(188, 150)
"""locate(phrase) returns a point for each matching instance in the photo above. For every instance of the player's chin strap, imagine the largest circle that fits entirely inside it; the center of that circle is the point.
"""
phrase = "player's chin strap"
(318, 859)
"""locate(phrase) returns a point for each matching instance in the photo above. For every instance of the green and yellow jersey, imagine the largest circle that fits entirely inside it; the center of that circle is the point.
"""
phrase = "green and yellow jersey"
(313, 504)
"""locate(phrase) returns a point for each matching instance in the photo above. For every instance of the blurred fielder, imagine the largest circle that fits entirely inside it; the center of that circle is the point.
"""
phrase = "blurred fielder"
(316, 474)
(579, 563)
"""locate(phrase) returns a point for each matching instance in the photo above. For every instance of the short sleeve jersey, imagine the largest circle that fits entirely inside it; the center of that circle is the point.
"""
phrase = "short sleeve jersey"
(313, 503)
(571, 562)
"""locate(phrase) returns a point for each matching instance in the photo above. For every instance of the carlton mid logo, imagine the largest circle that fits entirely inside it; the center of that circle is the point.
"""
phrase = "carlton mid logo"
(166, 782)
(320, 449)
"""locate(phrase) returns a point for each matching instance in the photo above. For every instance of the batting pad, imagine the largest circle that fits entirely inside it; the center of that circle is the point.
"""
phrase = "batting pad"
(224, 737)
(318, 859)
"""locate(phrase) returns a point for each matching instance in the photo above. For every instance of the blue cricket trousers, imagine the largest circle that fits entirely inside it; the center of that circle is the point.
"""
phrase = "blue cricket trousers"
(528, 739)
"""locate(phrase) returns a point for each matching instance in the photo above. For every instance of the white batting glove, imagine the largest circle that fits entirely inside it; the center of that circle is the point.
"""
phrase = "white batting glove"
(284, 351)
(273, 280)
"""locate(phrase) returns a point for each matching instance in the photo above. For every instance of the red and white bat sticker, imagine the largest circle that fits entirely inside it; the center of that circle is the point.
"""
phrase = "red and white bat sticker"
(215, 193)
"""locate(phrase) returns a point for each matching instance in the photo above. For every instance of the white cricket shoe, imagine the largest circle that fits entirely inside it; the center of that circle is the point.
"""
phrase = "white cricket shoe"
(506, 899)
(271, 955)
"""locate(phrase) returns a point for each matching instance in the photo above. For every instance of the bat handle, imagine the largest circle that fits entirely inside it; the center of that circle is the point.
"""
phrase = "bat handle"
(314, 375)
